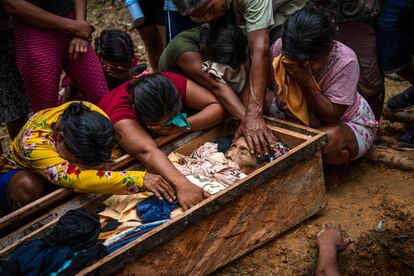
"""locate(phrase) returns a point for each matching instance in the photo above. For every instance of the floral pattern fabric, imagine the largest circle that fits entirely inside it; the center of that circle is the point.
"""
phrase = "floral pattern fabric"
(34, 149)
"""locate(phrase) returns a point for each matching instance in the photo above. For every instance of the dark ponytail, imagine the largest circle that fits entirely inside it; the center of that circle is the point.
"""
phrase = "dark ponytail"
(115, 45)
(87, 134)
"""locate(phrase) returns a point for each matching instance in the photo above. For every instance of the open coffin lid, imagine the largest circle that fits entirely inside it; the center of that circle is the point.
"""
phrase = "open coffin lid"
(228, 224)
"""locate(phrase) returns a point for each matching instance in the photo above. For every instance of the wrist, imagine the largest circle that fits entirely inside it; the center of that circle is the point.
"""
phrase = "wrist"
(328, 250)
(69, 25)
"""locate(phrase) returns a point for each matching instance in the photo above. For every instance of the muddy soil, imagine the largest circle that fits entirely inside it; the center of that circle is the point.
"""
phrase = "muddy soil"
(370, 194)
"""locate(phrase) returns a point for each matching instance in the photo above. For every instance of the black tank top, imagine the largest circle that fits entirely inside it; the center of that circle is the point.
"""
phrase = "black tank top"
(60, 7)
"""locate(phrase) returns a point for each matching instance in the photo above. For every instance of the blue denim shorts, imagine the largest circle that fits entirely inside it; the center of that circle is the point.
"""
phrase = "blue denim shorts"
(4, 183)
(395, 35)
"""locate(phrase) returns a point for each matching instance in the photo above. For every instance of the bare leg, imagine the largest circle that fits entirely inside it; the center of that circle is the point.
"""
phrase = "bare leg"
(24, 188)
(163, 35)
(153, 43)
(329, 242)
(342, 145)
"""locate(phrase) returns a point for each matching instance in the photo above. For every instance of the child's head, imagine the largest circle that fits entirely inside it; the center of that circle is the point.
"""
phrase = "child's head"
(84, 136)
(115, 48)
(224, 42)
(155, 98)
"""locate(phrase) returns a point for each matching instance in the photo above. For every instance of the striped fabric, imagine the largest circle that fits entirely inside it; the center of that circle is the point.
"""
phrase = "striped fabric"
(42, 54)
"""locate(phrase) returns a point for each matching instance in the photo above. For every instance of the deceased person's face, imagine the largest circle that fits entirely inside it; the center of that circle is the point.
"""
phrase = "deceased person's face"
(239, 153)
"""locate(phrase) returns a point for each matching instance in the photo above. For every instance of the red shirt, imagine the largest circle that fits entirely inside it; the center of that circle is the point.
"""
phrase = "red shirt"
(118, 107)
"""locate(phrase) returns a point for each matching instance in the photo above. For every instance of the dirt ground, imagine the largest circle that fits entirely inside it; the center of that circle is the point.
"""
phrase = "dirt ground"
(370, 193)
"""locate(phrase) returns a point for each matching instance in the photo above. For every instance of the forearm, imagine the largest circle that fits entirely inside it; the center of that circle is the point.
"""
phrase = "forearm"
(327, 263)
(80, 10)
(36, 16)
(229, 100)
(155, 161)
(208, 117)
(258, 79)
(319, 104)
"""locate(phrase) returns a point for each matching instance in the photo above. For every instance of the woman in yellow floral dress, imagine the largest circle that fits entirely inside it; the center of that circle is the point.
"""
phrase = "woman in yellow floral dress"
(68, 146)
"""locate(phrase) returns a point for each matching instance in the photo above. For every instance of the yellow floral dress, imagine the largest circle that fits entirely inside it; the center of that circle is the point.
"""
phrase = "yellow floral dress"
(34, 150)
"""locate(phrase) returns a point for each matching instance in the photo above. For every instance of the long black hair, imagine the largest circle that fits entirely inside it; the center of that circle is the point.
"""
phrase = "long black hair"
(308, 33)
(115, 45)
(222, 41)
(87, 134)
(154, 97)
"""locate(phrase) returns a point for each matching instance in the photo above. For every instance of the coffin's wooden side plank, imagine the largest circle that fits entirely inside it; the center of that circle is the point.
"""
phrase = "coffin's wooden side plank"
(48, 201)
(15, 219)
(40, 225)
(36, 227)
(134, 251)
(238, 227)
(292, 126)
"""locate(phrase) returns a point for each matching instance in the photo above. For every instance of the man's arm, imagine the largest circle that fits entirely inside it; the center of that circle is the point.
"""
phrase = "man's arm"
(258, 137)
(38, 17)
(190, 63)
(80, 10)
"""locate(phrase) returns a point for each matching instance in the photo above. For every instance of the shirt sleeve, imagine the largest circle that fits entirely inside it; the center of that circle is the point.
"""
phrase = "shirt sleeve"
(117, 106)
(258, 14)
(43, 159)
(342, 88)
(186, 41)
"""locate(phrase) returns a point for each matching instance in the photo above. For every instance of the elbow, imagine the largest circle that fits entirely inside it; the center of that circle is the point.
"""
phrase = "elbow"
(8, 6)
(146, 154)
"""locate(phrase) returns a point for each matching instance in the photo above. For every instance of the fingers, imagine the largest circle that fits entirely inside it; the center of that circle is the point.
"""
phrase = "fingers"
(250, 144)
(347, 242)
(257, 145)
(263, 143)
(167, 191)
(270, 139)
(71, 51)
(183, 205)
(76, 52)
(205, 194)
(156, 193)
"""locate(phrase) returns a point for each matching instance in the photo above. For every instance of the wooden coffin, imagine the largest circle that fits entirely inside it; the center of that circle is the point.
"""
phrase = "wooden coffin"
(227, 225)
(41, 206)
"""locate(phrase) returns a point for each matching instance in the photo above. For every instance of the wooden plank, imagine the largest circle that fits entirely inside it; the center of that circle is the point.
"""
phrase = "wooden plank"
(291, 133)
(17, 218)
(81, 200)
(401, 116)
(44, 222)
(292, 126)
(394, 158)
(301, 180)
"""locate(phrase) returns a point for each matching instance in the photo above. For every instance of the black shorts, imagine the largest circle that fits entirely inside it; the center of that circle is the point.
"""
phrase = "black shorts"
(153, 11)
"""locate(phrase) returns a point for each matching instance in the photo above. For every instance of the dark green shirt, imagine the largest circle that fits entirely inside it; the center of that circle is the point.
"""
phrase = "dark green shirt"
(186, 41)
